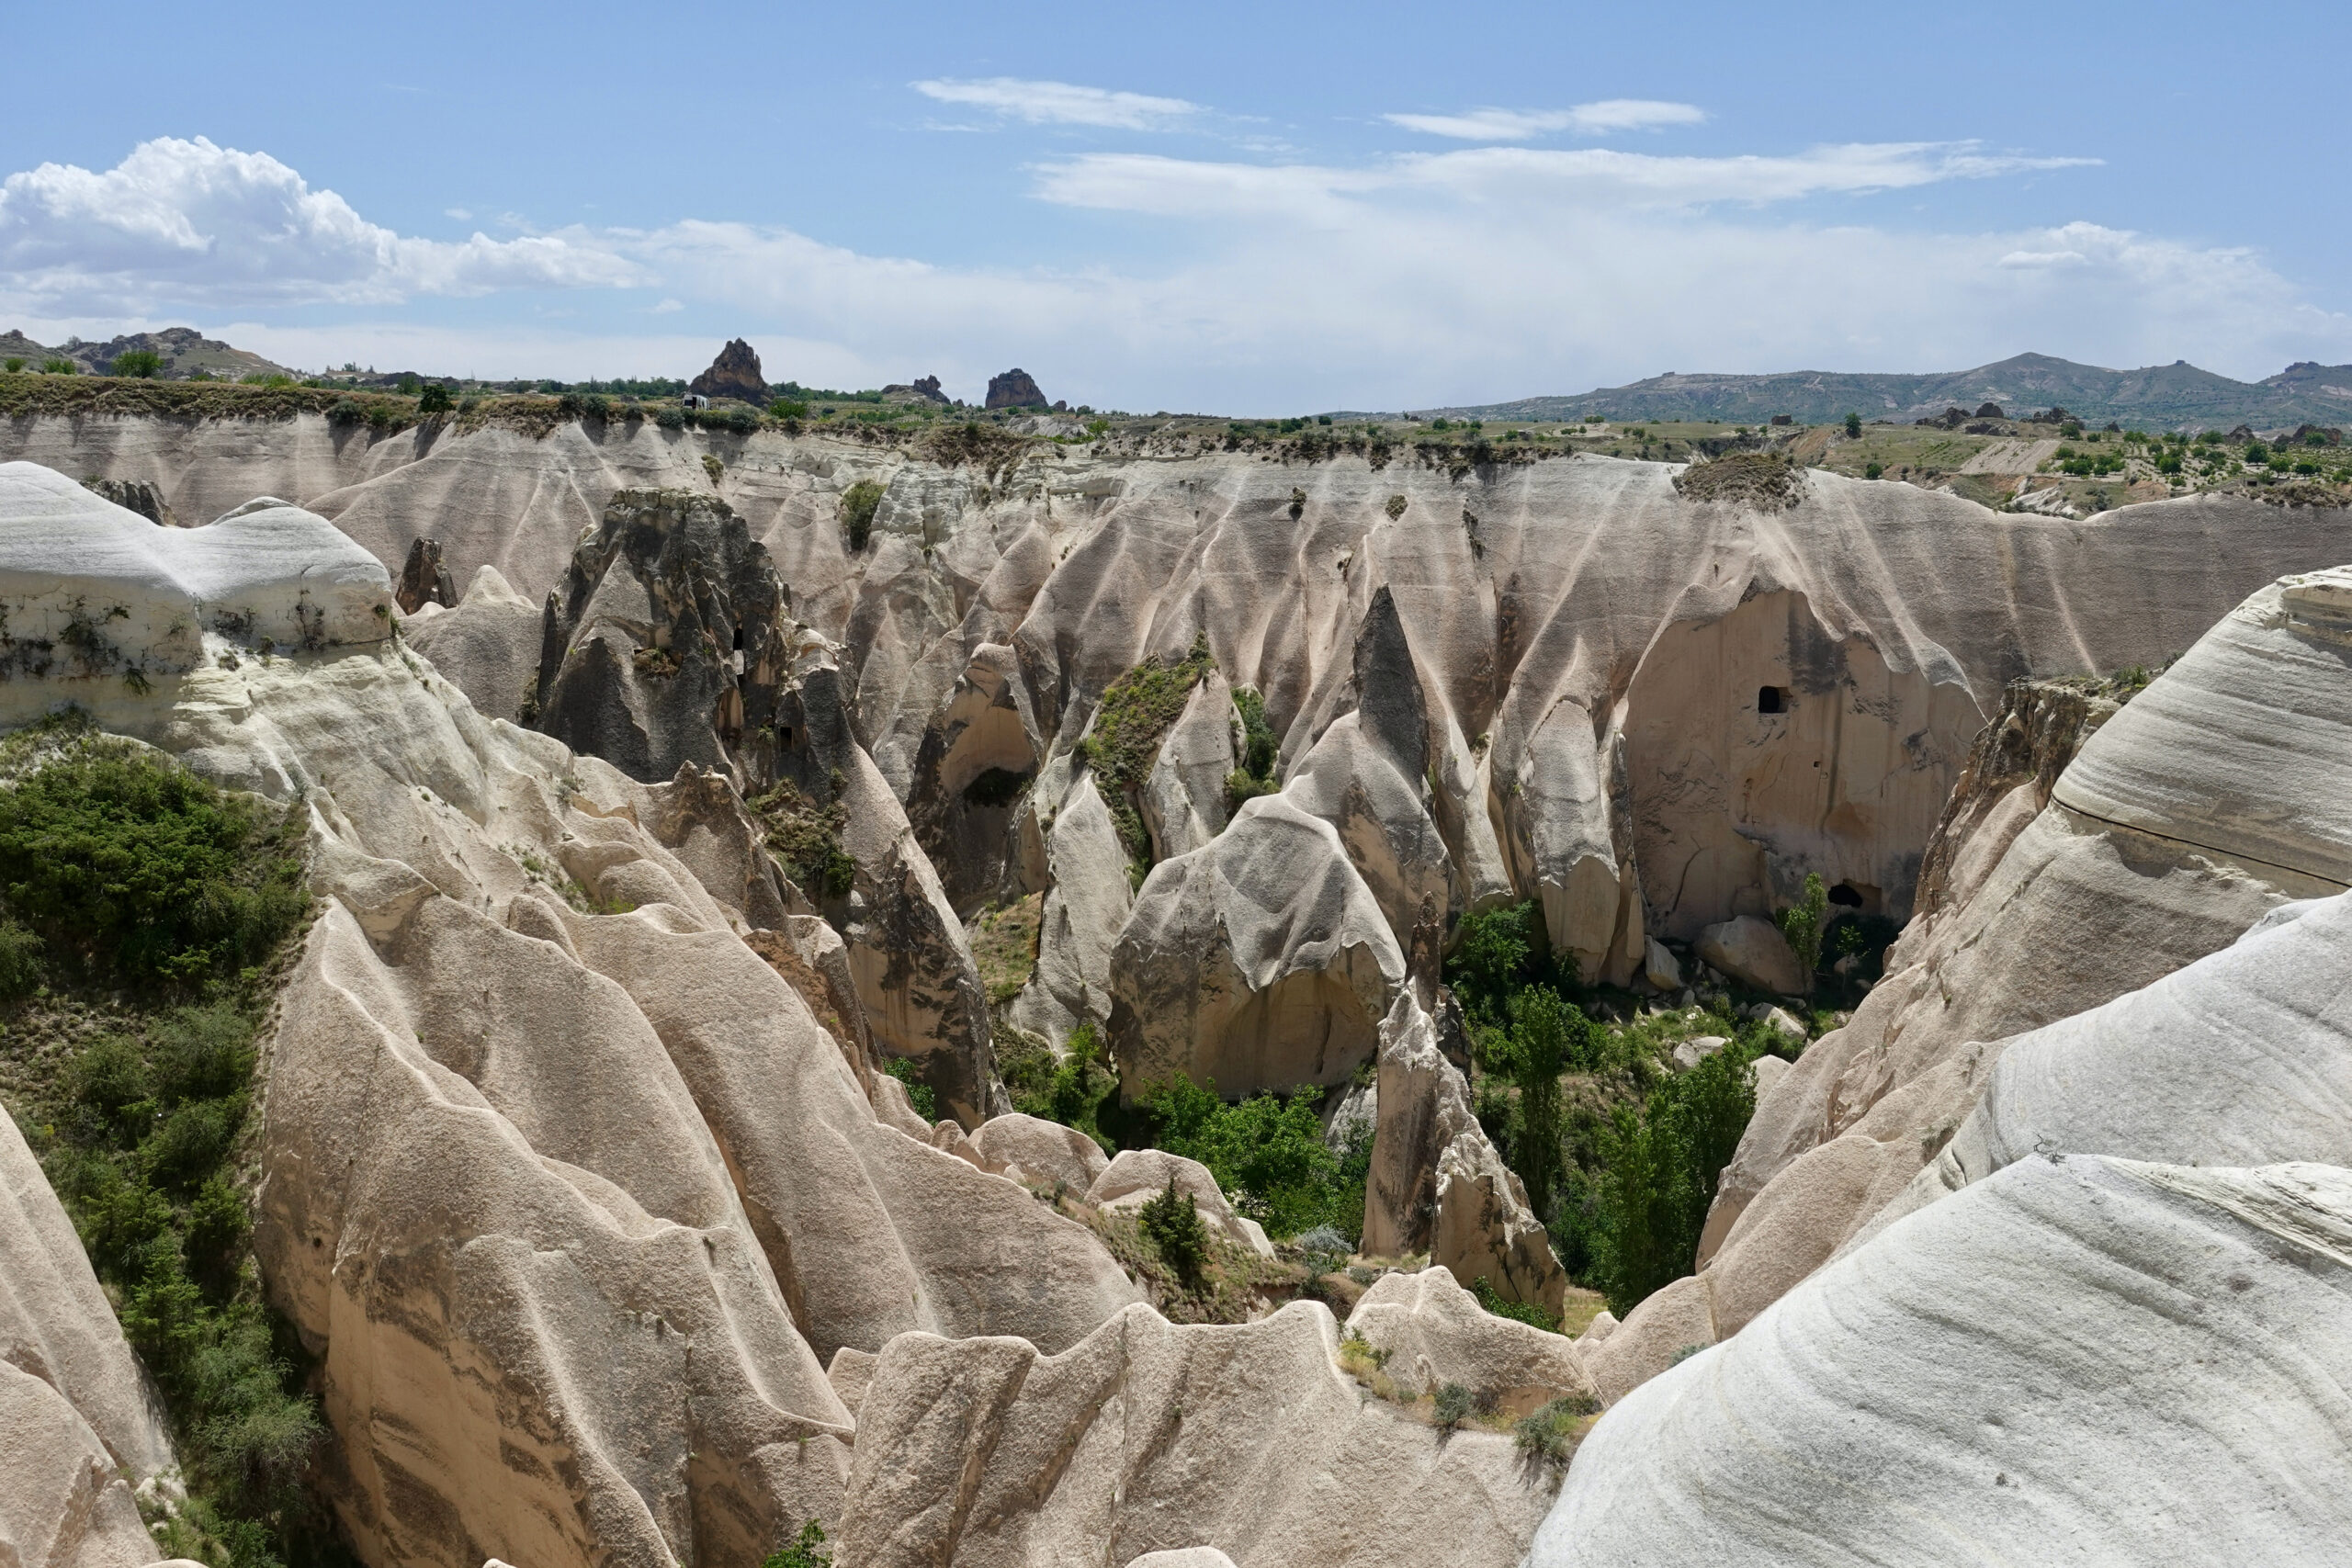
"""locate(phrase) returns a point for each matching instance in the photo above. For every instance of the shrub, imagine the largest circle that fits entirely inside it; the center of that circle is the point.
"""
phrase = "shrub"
(919, 1094)
(788, 407)
(807, 1552)
(1872, 471)
(1854, 427)
(859, 502)
(12, 364)
(20, 961)
(1659, 1167)
(1497, 952)
(1547, 1034)
(1258, 743)
(807, 838)
(1452, 1406)
(140, 867)
(1173, 1227)
(1529, 1312)
(1123, 740)
(1803, 923)
(142, 364)
(54, 366)
(1072, 1091)
(346, 411)
(1548, 1437)
(435, 398)
(670, 416)
(1267, 1152)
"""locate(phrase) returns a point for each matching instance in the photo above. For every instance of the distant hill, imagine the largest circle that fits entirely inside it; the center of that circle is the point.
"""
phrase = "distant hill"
(2175, 396)
(184, 350)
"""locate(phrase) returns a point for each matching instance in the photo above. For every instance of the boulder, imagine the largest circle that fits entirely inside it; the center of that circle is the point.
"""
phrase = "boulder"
(1668, 1324)
(1137, 1176)
(1155, 1437)
(1659, 968)
(1048, 1154)
(1184, 1557)
(1014, 389)
(1689, 1052)
(1753, 952)
(734, 374)
(1435, 1333)
(1784, 1023)
(1860, 1421)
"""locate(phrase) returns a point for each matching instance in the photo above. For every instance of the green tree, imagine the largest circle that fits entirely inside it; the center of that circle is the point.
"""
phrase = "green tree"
(1803, 923)
(1497, 951)
(807, 1552)
(859, 502)
(1547, 1034)
(1173, 1227)
(1854, 426)
(142, 363)
(435, 398)
(1660, 1163)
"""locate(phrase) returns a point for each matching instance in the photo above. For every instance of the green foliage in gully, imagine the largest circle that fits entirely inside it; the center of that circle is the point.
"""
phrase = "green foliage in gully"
(125, 876)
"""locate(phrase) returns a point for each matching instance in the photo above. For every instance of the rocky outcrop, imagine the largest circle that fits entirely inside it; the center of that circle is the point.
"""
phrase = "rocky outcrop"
(734, 374)
(2112, 1309)
(1257, 962)
(1754, 952)
(135, 495)
(424, 578)
(487, 645)
(1014, 389)
(1435, 1333)
(1046, 1154)
(1436, 1184)
(1152, 1438)
(1137, 1176)
(2174, 827)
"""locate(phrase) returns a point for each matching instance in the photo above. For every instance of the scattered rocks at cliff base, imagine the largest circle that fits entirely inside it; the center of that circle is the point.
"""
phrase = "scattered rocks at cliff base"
(734, 374)
(1014, 389)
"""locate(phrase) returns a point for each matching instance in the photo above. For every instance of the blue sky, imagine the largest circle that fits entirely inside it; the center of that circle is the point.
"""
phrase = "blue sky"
(1243, 209)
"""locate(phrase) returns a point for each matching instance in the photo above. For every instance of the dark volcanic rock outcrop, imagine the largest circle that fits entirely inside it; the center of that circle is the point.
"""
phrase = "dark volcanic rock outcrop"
(424, 580)
(1014, 389)
(734, 374)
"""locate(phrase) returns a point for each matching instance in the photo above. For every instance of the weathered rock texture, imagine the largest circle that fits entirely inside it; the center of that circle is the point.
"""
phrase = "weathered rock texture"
(568, 1206)
(2059, 886)
(1149, 1436)
(424, 578)
(2085, 1360)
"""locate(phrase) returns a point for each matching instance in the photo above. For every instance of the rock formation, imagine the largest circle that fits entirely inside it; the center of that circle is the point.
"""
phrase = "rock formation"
(424, 578)
(1014, 389)
(2136, 1338)
(734, 374)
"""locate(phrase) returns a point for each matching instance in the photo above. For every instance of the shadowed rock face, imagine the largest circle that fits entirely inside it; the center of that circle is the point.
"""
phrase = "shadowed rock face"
(734, 374)
(1014, 389)
(424, 580)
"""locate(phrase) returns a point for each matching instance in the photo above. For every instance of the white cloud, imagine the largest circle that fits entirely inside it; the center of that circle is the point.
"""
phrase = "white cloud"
(1465, 276)
(190, 222)
(1520, 125)
(1060, 103)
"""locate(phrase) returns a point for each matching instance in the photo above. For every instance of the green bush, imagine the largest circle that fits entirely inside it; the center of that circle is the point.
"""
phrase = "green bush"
(54, 366)
(1529, 1312)
(1548, 1437)
(807, 1552)
(806, 837)
(919, 1094)
(1267, 1152)
(11, 364)
(788, 407)
(1072, 1091)
(346, 411)
(1498, 952)
(140, 868)
(1260, 747)
(1547, 1034)
(859, 502)
(141, 364)
(1173, 1227)
(435, 398)
(1133, 716)
(20, 961)
(1804, 922)
(1453, 1401)
(1658, 1169)
(1872, 471)
(1854, 427)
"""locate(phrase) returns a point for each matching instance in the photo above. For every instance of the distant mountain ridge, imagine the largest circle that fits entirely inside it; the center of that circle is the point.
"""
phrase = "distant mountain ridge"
(2175, 396)
(182, 351)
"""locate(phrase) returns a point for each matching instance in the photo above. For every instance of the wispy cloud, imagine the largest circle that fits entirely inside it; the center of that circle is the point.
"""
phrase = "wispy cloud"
(1060, 103)
(1522, 125)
